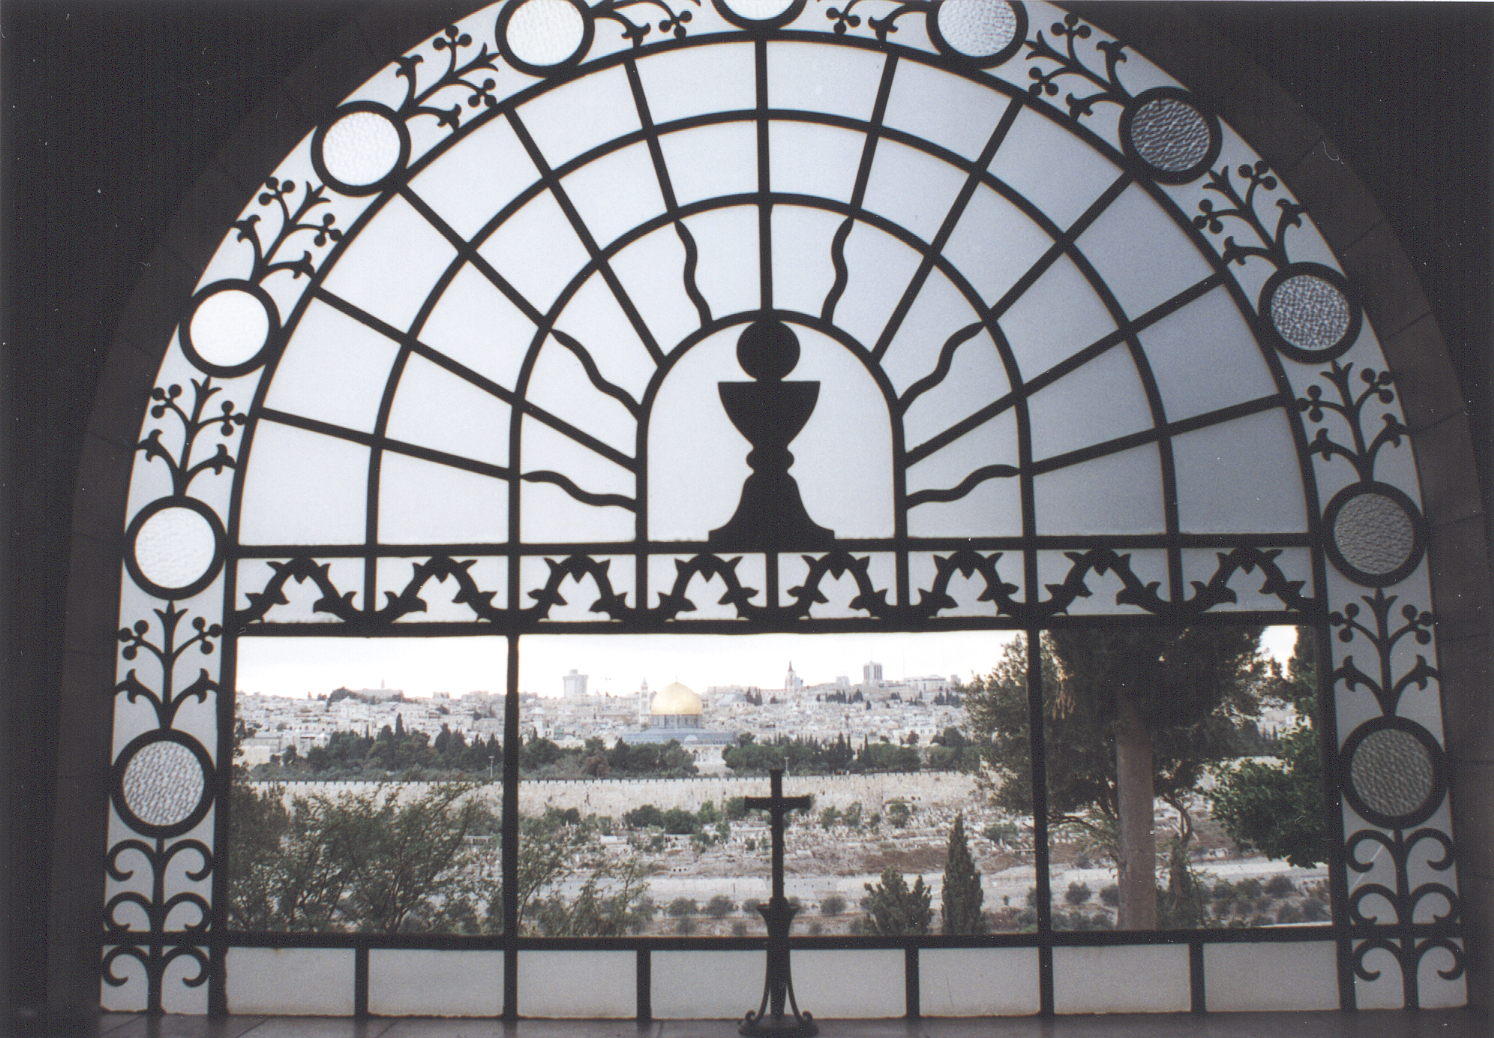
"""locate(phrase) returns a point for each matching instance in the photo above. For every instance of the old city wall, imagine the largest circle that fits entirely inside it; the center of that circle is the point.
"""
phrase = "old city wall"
(615, 796)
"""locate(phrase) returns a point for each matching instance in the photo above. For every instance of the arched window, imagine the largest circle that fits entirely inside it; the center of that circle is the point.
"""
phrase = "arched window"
(1051, 345)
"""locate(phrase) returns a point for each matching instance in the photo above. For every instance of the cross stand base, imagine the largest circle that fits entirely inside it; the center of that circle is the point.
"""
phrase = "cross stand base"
(770, 1020)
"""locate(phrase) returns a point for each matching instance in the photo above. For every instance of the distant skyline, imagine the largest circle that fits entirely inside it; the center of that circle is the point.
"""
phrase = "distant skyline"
(616, 664)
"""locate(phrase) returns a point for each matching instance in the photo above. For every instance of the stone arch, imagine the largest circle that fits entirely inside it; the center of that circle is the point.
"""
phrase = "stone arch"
(1426, 384)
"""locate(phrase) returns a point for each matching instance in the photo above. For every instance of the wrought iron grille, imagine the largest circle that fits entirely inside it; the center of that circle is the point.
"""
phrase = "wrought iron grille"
(488, 353)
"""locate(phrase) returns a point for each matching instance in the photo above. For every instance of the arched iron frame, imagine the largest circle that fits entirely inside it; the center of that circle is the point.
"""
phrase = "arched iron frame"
(166, 907)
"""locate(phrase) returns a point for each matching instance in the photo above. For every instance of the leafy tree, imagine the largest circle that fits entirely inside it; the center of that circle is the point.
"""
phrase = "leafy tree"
(833, 904)
(962, 893)
(403, 861)
(1278, 808)
(683, 906)
(893, 909)
(1129, 715)
(898, 813)
(620, 907)
(720, 906)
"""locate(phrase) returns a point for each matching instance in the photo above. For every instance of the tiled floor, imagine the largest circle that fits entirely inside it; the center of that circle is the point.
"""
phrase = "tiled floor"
(1427, 1024)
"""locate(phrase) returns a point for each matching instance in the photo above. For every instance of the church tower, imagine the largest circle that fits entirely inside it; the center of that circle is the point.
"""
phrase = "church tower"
(792, 683)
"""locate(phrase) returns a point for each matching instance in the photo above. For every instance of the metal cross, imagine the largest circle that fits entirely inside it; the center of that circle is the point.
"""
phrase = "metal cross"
(778, 987)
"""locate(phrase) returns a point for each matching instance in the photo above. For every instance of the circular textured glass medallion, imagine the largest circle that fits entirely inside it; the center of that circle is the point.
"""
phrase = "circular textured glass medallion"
(1308, 313)
(161, 783)
(542, 36)
(230, 326)
(1167, 137)
(982, 32)
(363, 146)
(175, 547)
(759, 14)
(1374, 534)
(1396, 774)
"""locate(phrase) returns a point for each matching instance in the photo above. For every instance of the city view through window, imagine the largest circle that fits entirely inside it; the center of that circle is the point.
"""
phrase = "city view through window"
(373, 804)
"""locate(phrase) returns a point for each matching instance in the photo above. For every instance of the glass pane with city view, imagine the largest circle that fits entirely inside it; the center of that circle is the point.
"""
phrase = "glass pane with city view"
(648, 747)
(1184, 777)
(368, 776)
(367, 784)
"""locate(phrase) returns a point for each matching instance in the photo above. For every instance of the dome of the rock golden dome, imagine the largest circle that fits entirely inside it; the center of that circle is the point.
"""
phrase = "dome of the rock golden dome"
(674, 700)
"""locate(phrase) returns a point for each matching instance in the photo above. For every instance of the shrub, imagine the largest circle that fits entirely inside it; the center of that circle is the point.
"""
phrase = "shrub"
(833, 905)
(1110, 895)
(1280, 885)
(1224, 890)
(720, 906)
(1314, 909)
(1249, 887)
(1077, 894)
(682, 906)
(739, 929)
(1289, 913)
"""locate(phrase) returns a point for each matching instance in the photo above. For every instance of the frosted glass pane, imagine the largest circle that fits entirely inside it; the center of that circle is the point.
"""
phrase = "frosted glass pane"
(879, 268)
(843, 458)
(474, 508)
(803, 258)
(652, 273)
(479, 327)
(1240, 476)
(1121, 493)
(299, 981)
(697, 459)
(721, 78)
(559, 385)
(994, 244)
(811, 159)
(1051, 167)
(578, 984)
(334, 369)
(469, 184)
(816, 78)
(978, 981)
(714, 985)
(850, 985)
(538, 274)
(1265, 977)
(1105, 980)
(711, 161)
(580, 115)
(976, 378)
(1142, 255)
(302, 599)
(392, 264)
(912, 189)
(1099, 402)
(726, 270)
(1205, 357)
(595, 319)
(993, 507)
(943, 109)
(436, 409)
(938, 313)
(551, 515)
(435, 983)
(1055, 318)
(615, 193)
(1433, 991)
(303, 488)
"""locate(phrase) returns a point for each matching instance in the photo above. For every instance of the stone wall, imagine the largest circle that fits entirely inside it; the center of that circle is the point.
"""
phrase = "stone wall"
(615, 796)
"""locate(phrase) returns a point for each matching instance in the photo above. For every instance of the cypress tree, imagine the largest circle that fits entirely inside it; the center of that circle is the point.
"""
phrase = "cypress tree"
(962, 893)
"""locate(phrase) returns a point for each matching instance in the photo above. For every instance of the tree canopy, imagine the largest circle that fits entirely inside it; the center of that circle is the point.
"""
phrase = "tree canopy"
(1277, 807)
(1128, 715)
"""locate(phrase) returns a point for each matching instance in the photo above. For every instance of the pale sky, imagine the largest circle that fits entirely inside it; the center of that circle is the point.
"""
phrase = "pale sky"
(616, 664)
